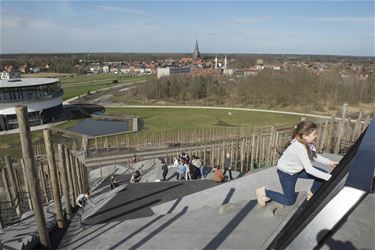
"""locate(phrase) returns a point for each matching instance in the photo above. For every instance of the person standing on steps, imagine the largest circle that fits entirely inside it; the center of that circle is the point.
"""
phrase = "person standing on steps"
(164, 168)
(227, 166)
(296, 162)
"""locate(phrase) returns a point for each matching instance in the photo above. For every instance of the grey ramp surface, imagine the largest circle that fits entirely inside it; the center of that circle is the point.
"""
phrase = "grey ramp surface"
(136, 199)
(236, 228)
(221, 217)
(241, 189)
(234, 225)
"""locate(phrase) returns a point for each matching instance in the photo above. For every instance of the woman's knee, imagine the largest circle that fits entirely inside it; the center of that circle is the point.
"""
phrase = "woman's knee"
(290, 201)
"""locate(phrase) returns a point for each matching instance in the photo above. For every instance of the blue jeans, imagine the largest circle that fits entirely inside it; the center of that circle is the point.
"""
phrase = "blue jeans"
(201, 168)
(288, 184)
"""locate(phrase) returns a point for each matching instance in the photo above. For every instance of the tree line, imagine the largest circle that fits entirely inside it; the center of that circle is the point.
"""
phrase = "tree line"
(295, 87)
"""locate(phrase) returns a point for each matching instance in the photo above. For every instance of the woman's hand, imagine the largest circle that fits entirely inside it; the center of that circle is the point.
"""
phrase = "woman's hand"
(333, 164)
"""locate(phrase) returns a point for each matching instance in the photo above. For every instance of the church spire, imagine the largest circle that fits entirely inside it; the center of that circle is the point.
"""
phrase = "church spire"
(196, 53)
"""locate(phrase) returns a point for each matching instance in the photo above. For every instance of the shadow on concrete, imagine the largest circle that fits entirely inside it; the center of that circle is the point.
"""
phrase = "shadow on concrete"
(241, 174)
(134, 200)
(172, 176)
(159, 229)
(174, 205)
(231, 226)
(118, 244)
(101, 229)
(229, 196)
(324, 238)
(96, 219)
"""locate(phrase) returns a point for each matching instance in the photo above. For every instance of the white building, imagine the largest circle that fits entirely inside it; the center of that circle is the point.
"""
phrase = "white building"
(161, 72)
(42, 96)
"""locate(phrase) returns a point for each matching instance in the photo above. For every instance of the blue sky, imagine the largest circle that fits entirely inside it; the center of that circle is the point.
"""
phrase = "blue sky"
(281, 27)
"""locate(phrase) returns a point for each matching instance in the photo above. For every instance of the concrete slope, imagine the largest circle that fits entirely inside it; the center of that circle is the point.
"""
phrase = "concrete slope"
(136, 199)
(237, 226)
(240, 189)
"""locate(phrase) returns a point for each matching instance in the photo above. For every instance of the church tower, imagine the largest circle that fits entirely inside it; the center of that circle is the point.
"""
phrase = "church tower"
(196, 53)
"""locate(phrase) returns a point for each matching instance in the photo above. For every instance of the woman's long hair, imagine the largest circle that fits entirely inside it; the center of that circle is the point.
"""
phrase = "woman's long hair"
(303, 128)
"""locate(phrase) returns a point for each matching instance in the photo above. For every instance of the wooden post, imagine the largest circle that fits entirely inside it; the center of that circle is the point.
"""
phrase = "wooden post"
(79, 176)
(242, 156)
(275, 146)
(264, 150)
(101, 169)
(43, 180)
(53, 177)
(13, 185)
(74, 177)
(222, 158)
(26, 184)
(6, 184)
(85, 181)
(331, 133)
(205, 155)
(19, 185)
(252, 157)
(257, 151)
(1, 227)
(64, 181)
(324, 137)
(357, 127)
(341, 129)
(31, 173)
(70, 178)
(269, 149)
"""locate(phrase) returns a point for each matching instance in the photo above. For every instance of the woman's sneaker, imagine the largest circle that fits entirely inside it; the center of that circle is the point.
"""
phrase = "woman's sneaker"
(261, 196)
(309, 194)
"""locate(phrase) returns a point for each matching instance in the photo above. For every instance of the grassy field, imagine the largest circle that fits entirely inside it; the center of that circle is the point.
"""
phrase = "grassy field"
(79, 85)
(158, 119)
(74, 85)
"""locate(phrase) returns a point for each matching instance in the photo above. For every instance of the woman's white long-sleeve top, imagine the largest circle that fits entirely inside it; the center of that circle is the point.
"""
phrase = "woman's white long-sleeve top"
(295, 159)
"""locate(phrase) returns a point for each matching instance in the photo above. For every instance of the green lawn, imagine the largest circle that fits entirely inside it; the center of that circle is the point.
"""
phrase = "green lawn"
(70, 92)
(82, 87)
(88, 78)
(158, 119)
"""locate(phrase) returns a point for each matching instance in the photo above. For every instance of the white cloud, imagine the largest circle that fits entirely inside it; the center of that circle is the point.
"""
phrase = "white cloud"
(223, 33)
(369, 19)
(248, 20)
(19, 22)
(120, 9)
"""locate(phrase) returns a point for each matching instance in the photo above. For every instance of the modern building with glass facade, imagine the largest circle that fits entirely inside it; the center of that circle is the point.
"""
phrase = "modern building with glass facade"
(42, 96)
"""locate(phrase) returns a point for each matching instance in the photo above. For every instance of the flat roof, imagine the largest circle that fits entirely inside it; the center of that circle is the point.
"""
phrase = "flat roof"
(25, 82)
